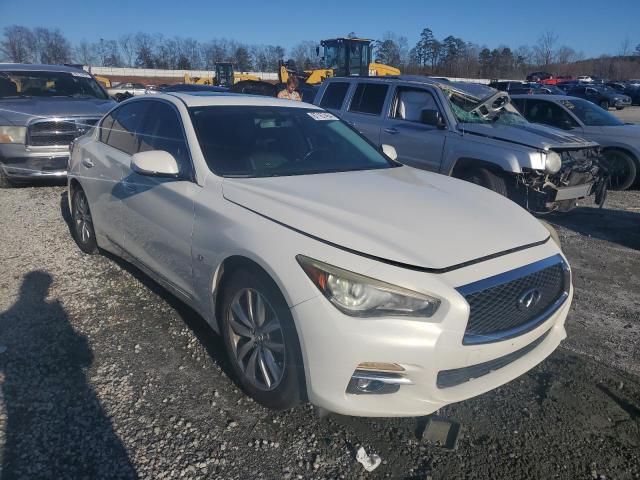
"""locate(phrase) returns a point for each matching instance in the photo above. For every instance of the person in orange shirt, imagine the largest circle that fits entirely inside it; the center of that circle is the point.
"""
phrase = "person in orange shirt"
(290, 93)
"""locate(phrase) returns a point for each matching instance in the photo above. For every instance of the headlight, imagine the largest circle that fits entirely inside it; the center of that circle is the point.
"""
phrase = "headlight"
(13, 134)
(553, 162)
(361, 296)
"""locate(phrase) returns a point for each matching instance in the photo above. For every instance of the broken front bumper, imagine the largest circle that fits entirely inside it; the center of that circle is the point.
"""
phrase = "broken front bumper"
(20, 163)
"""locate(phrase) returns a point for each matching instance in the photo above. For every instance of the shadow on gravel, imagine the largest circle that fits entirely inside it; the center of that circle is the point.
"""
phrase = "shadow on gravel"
(55, 426)
(617, 226)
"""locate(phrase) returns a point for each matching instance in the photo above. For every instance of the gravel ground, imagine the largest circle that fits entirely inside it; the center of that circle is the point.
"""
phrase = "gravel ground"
(629, 114)
(105, 375)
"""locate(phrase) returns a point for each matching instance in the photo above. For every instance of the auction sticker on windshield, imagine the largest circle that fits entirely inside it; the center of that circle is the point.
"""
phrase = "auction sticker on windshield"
(322, 116)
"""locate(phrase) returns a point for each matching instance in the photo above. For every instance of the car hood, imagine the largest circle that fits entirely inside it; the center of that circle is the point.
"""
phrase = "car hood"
(402, 214)
(627, 131)
(531, 135)
(20, 111)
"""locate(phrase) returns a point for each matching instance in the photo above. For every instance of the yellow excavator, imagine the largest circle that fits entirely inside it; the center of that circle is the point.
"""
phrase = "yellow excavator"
(342, 57)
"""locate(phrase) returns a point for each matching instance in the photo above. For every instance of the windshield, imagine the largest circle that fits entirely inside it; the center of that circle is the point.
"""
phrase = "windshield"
(19, 84)
(591, 114)
(250, 141)
(464, 108)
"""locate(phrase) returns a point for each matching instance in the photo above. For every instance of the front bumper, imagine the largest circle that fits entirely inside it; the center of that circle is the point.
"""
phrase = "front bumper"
(334, 345)
(24, 163)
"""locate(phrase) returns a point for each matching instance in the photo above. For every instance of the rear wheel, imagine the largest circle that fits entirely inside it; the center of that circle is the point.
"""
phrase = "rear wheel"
(261, 340)
(83, 232)
(488, 179)
(4, 179)
(604, 104)
(622, 169)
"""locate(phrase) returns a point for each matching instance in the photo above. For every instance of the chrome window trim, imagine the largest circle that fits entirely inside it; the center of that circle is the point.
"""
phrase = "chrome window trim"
(506, 277)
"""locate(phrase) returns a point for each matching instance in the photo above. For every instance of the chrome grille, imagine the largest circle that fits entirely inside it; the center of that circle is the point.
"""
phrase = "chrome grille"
(58, 132)
(515, 302)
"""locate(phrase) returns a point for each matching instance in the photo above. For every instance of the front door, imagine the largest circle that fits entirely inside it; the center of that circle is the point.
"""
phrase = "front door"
(157, 211)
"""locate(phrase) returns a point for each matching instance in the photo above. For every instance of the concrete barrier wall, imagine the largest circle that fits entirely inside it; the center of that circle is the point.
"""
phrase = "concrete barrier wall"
(154, 72)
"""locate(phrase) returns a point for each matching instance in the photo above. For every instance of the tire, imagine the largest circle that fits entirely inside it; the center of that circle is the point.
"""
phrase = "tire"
(619, 108)
(604, 104)
(623, 169)
(254, 349)
(4, 179)
(487, 179)
(82, 227)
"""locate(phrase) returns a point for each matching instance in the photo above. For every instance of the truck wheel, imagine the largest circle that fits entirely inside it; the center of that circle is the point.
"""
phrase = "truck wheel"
(622, 169)
(4, 179)
(487, 179)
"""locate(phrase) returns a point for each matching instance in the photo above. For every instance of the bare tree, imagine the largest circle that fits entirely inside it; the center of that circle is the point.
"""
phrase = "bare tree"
(565, 55)
(84, 53)
(625, 47)
(52, 46)
(304, 54)
(19, 45)
(544, 50)
(128, 47)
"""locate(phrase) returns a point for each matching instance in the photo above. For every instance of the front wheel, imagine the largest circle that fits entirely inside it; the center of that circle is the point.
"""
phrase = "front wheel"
(622, 169)
(487, 179)
(83, 232)
(261, 340)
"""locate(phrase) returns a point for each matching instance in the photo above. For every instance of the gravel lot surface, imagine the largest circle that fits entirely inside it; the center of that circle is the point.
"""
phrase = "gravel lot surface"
(629, 114)
(105, 375)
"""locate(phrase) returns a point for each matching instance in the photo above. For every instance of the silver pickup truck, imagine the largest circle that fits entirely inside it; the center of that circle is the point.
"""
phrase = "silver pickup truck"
(43, 108)
(472, 132)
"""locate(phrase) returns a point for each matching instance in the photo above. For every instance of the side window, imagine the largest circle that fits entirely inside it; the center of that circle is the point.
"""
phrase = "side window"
(519, 103)
(334, 95)
(105, 126)
(127, 121)
(410, 102)
(369, 98)
(162, 130)
(540, 111)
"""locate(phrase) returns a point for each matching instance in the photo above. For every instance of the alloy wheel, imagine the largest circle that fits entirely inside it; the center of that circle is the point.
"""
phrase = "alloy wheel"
(83, 222)
(257, 339)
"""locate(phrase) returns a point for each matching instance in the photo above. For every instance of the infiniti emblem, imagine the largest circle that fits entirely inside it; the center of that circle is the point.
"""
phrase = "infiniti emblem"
(529, 299)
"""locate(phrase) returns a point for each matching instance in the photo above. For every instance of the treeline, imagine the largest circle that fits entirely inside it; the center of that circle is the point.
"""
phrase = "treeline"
(450, 56)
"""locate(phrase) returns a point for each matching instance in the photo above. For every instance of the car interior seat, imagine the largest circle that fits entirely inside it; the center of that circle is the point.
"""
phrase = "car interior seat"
(8, 88)
(411, 103)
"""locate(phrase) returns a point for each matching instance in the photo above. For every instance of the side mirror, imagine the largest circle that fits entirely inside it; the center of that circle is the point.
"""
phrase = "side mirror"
(155, 163)
(433, 118)
(389, 151)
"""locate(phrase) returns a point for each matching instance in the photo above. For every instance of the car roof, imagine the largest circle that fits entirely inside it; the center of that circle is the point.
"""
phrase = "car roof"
(205, 99)
(23, 67)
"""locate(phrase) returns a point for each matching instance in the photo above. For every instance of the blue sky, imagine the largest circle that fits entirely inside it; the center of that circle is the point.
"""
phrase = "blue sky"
(588, 26)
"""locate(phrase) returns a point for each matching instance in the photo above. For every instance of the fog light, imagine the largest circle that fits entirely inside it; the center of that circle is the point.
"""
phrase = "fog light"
(376, 382)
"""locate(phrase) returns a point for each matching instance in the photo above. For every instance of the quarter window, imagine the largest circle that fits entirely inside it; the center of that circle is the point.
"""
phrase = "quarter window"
(334, 95)
(369, 98)
(105, 126)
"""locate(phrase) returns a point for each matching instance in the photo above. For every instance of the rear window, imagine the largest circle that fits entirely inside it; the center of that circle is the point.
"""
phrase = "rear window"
(334, 95)
(369, 98)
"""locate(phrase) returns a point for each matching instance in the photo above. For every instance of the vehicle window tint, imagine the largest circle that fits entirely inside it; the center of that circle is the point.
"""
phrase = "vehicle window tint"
(548, 113)
(410, 102)
(123, 134)
(519, 103)
(334, 95)
(369, 98)
(162, 130)
(105, 126)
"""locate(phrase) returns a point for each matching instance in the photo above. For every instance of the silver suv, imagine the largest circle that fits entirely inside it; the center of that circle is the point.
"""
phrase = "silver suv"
(43, 108)
(472, 132)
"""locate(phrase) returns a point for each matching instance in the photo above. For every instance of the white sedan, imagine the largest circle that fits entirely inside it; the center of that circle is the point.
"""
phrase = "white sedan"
(335, 275)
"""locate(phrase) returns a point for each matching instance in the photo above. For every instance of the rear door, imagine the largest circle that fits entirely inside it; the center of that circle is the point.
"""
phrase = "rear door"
(366, 108)
(157, 211)
(334, 96)
(106, 163)
(417, 144)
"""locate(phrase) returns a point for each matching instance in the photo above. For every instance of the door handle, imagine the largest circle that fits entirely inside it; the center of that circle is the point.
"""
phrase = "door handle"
(392, 130)
(87, 163)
